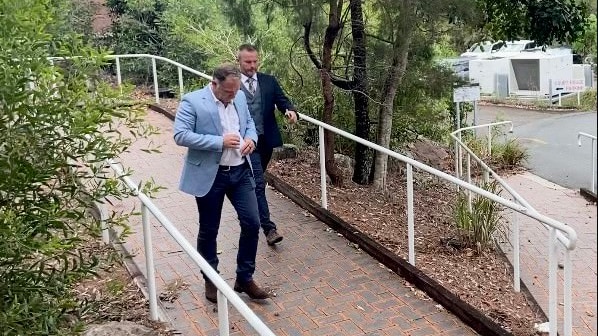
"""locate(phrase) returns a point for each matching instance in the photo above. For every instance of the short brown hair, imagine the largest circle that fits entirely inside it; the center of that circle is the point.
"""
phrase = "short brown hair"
(247, 47)
(225, 70)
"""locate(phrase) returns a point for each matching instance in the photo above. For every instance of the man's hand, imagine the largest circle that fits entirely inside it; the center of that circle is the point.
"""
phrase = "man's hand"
(231, 140)
(291, 116)
(248, 147)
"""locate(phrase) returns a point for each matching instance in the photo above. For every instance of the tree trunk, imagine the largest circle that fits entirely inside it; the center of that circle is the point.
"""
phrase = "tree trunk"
(363, 155)
(402, 41)
(329, 38)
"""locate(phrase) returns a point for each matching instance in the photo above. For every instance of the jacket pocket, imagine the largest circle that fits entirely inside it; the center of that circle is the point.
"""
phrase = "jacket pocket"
(194, 159)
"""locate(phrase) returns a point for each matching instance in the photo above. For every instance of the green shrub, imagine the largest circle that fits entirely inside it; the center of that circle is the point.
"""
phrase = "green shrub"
(478, 224)
(57, 124)
(587, 101)
(509, 154)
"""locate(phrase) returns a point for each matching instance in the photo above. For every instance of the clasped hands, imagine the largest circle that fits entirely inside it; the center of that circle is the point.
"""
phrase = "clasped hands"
(232, 140)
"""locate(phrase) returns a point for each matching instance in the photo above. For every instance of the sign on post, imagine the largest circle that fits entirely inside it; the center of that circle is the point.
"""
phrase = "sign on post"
(466, 94)
(568, 85)
(560, 86)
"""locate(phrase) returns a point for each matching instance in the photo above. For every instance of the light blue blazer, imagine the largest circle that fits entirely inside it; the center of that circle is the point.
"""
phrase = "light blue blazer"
(197, 126)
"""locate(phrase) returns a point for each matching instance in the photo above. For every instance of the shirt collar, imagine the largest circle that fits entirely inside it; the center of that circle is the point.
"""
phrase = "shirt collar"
(217, 101)
(244, 77)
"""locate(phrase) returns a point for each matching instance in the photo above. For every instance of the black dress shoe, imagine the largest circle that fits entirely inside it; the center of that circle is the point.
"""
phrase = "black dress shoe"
(252, 290)
(211, 292)
(273, 237)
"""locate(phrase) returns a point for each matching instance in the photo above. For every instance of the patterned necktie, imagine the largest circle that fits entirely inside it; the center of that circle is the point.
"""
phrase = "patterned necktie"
(251, 88)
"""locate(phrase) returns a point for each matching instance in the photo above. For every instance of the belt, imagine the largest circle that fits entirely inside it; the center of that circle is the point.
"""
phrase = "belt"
(228, 168)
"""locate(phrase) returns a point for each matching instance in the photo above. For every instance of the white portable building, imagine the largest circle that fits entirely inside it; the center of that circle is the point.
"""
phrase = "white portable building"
(530, 73)
(486, 72)
(525, 74)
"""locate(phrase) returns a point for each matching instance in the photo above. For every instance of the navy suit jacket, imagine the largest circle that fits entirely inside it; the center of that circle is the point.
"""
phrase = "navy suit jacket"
(272, 96)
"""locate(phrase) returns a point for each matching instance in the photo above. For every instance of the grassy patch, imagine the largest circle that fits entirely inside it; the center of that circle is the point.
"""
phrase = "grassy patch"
(587, 101)
(477, 218)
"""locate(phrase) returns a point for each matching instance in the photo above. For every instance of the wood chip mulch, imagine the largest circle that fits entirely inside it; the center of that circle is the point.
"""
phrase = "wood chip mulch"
(483, 280)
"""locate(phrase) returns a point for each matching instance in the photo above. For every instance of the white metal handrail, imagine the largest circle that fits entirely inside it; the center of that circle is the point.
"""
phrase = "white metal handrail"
(555, 233)
(180, 68)
(225, 292)
(556, 226)
(593, 138)
(558, 230)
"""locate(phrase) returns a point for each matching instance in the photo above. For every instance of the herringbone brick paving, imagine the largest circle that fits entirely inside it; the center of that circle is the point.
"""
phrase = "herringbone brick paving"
(324, 285)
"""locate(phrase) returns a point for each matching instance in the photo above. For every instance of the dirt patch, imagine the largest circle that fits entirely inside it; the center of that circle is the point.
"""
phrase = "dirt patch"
(101, 20)
(484, 280)
(113, 295)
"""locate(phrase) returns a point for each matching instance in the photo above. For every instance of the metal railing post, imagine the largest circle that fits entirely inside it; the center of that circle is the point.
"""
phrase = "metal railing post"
(552, 283)
(490, 140)
(593, 139)
(223, 323)
(457, 160)
(324, 196)
(594, 165)
(103, 226)
(516, 253)
(181, 87)
(118, 75)
(149, 262)
(469, 196)
(155, 72)
(567, 292)
(410, 217)
(460, 159)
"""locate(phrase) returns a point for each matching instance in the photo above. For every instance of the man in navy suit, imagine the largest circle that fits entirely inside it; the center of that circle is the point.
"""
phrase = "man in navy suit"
(215, 125)
(263, 94)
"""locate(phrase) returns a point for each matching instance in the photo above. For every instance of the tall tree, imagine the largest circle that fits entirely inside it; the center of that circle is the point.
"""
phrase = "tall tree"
(359, 90)
(325, 70)
(396, 22)
(402, 35)
(543, 21)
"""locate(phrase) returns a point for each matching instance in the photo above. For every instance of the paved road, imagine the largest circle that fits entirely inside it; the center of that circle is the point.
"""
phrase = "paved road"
(551, 138)
(554, 152)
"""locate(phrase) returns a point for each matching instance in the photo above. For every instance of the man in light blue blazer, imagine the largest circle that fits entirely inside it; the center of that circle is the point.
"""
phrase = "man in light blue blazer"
(215, 125)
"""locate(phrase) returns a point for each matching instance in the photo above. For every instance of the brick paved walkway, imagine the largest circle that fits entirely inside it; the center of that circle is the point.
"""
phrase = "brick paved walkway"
(324, 286)
(566, 206)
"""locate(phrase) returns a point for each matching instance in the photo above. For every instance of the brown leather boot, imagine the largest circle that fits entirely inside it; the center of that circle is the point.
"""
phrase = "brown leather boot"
(252, 290)
(211, 292)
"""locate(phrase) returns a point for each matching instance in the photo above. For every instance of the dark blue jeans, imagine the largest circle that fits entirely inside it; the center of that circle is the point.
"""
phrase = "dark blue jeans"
(238, 185)
(260, 192)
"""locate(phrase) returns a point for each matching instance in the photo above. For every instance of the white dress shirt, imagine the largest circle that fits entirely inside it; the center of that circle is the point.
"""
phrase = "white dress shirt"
(246, 84)
(229, 119)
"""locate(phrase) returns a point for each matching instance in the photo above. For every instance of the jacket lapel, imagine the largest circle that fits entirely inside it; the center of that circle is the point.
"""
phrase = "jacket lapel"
(212, 108)
(242, 118)
(263, 87)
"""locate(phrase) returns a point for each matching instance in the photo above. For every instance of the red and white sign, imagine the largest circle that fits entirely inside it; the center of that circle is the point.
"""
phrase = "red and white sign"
(568, 85)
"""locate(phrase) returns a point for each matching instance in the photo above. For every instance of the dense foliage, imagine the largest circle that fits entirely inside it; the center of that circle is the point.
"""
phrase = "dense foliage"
(202, 34)
(57, 125)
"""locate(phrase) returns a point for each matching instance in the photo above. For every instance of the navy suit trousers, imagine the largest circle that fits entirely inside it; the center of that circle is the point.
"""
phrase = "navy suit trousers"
(239, 186)
(260, 192)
